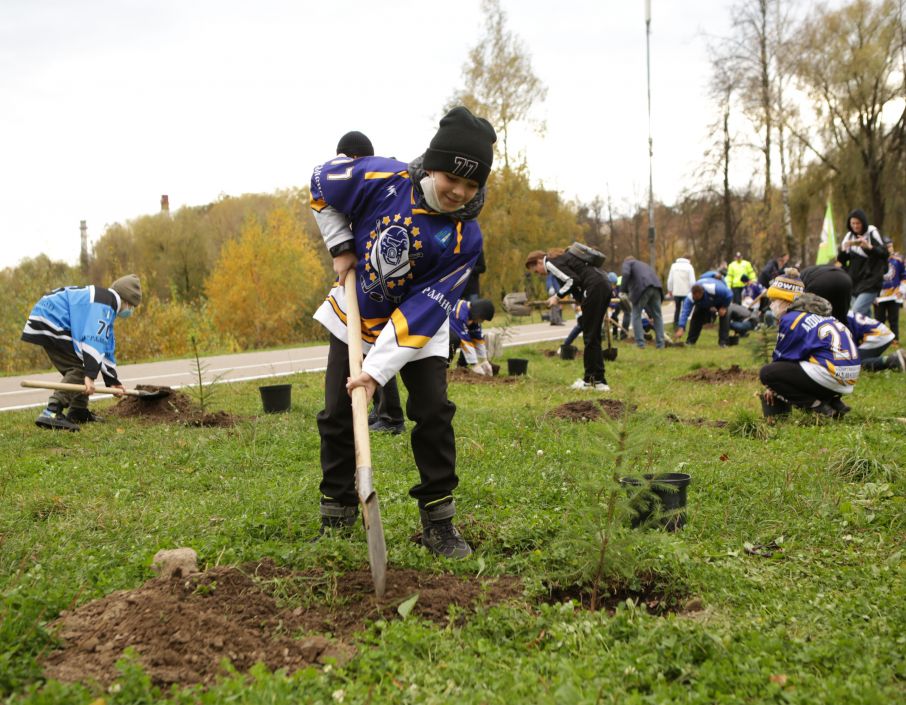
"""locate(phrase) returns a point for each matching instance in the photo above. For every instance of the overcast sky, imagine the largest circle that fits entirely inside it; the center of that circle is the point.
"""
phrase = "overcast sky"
(107, 104)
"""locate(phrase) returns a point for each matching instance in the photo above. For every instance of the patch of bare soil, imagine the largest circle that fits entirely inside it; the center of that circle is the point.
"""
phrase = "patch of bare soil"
(182, 627)
(463, 374)
(648, 597)
(588, 409)
(718, 375)
(175, 407)
(698, 421)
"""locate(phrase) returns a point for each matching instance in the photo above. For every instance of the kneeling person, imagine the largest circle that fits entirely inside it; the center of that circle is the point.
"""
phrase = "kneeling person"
(816, 361)
(466, 334)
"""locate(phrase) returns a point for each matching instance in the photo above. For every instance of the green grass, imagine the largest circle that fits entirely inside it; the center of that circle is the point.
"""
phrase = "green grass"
(822, 621)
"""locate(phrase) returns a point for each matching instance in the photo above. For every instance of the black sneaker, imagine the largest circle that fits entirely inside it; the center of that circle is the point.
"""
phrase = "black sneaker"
(823, 409)
(336, 517)
(839, 407)
(83, 416)
(53, 419)
(439, 535)
(382, 426)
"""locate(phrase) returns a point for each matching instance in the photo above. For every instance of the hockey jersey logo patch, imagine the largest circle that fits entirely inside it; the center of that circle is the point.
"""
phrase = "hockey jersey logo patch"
(443, 236)
(387, 264)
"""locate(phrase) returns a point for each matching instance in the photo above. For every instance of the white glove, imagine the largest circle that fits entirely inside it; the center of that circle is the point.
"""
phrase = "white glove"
(486, 366)
(478, 369)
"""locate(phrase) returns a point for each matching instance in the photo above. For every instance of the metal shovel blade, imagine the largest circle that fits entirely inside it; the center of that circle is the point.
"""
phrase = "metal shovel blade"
(374, 529)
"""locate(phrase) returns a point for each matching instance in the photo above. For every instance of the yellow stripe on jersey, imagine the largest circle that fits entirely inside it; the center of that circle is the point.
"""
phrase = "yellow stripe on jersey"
(369, 336)
(798, 318)
(403, 337)
(337, 310)
(458, 248)
(318, 204)
(379, 174)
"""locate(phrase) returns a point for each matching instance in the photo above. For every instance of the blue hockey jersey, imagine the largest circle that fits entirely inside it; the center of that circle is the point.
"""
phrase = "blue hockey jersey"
(717, 295)
(78, 319)
(412, 264)
(823, 347)
(471, 337)
(868, 333)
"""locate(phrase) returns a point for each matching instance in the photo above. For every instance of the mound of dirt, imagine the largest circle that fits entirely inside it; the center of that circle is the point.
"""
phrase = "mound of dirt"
(717, 375)
(588, 409)
(463, 374)
(181, 628)
(175, 407)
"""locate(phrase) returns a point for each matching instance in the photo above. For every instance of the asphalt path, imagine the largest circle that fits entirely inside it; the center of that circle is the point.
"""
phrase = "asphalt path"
(240, 367)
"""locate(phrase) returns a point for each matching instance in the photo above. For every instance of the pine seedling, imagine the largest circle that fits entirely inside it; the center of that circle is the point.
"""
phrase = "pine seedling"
(203, 392)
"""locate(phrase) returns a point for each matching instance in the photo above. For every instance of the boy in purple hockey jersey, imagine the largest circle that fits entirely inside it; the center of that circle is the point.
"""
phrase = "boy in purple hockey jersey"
(816, 360)
(413, 244)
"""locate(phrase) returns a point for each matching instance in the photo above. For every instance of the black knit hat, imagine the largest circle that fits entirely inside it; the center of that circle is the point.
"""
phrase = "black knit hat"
(481, 310)
(463, 146)
(355, 144)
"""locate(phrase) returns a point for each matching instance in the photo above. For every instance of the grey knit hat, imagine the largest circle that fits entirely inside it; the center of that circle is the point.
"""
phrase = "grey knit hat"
(129, 288)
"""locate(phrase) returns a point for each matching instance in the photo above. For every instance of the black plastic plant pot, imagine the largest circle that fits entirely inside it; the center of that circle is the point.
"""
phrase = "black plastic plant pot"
(778, 408)
(733, 340)
(610, 354)
(276, 398)
(567, 352)
(658, 499)
(516, 366)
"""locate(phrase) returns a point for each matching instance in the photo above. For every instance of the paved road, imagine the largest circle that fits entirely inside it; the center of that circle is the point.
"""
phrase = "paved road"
(232, 368)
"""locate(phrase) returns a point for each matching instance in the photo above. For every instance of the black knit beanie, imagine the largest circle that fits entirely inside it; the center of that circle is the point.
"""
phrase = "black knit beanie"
(355, 144)
(481, 310)
(463, 146)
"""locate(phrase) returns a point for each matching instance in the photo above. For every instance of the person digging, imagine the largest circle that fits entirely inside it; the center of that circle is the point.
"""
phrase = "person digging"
(74, 325)
(413, 243)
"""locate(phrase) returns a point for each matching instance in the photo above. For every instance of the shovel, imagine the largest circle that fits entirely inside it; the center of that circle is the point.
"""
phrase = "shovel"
(611, 352)
(63, 386)
(364, 485)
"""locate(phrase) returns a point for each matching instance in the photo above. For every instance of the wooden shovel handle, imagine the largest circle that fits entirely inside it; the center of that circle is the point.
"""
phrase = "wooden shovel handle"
(65, 387)
(359, 395)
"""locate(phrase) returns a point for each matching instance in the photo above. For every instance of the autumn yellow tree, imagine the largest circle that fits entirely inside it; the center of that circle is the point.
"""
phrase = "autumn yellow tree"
(266, 285)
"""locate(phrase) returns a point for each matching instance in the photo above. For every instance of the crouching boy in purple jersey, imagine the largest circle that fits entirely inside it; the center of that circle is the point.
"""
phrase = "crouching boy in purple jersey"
(816, 361)
(413, 243)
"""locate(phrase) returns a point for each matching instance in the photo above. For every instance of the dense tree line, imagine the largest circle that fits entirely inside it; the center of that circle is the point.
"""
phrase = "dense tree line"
(814, 102)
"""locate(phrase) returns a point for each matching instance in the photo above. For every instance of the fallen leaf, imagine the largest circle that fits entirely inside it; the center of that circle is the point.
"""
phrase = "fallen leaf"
(120, 430)
(779, 678)
(406, 607)
(724, 457)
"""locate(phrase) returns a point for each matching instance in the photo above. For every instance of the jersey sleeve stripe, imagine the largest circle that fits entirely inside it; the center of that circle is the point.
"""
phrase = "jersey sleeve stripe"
(403, 337)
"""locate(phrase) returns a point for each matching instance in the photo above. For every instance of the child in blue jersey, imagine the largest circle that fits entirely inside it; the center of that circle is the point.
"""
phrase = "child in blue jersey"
(816, 361)
(74, 325)
(873, 338)
(466, 334)
(413, 244)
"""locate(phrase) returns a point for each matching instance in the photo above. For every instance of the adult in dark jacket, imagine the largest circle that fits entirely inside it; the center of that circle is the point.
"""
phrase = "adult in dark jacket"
(831, 283)
(646, 292)
(864, 257)
(589, 287)
(773, 269)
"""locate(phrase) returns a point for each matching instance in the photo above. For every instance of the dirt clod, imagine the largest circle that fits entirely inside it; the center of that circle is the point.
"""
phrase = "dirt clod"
(718, 375)
(179, 562)
(181, 628)
(588, 409)
(176, 407)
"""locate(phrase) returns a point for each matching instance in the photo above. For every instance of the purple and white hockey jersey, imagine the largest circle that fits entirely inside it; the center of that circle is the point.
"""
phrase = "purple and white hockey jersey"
(868, 333)
(413, 263)
(471, 337)
(823, 347)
